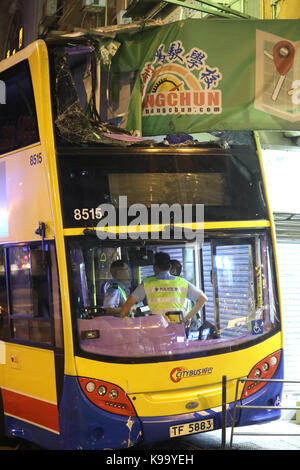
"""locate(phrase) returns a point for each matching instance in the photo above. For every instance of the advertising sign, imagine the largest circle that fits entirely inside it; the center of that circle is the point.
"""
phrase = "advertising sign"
(209, 75)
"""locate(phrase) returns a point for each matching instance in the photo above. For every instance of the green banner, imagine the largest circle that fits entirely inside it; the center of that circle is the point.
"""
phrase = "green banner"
(213, 75)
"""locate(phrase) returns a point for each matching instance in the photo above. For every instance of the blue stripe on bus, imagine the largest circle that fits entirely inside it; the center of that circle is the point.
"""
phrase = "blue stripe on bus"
(84, 426)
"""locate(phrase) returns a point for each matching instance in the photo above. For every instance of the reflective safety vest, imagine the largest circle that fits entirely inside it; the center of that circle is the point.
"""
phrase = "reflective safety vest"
(166, 295)
(187, 307)
(111, 284)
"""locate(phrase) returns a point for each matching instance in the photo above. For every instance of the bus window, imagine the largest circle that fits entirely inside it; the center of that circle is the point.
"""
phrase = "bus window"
(239, 286)
(3, 298)
(30, 289)
(18, 122)
(150, 178)
(229, 275)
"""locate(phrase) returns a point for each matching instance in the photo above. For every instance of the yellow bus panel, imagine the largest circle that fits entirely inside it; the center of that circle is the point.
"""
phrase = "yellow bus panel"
(27, 195)
(165, 396)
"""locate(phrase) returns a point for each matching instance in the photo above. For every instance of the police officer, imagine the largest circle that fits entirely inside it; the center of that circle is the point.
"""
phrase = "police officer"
(117, 289)
(165, 292)
(175, 269)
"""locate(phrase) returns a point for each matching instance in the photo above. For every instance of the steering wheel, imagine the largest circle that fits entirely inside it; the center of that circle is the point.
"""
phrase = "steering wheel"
(95, 311)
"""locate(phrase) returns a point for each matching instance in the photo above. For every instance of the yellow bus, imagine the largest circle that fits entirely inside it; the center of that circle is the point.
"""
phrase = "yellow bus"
(73, 375)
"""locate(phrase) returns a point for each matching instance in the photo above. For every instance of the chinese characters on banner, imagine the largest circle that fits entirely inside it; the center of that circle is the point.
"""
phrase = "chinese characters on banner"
(200, 76)
(180, 81)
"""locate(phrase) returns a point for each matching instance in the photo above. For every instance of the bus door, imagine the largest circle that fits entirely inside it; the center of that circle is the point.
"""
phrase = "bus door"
(33, 369)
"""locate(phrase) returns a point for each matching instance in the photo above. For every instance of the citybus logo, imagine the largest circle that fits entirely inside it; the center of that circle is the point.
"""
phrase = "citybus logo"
(180, 82)
(179, 373)
(2, 92)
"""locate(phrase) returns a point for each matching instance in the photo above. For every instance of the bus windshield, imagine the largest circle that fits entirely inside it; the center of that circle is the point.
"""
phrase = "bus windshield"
(234, 271)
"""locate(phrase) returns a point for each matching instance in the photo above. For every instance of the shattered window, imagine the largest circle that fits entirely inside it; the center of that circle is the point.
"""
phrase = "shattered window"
(76, 77)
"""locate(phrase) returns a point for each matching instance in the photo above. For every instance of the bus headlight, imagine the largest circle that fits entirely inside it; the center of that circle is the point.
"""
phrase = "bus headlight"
(265, 369)
(101, 390)
(90, 387)
(273, 361)
(265, 366)
(107, 396)
(113, 394)
(257, 373)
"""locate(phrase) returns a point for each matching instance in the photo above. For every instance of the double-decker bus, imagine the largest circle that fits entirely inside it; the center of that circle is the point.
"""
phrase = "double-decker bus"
(73, 375)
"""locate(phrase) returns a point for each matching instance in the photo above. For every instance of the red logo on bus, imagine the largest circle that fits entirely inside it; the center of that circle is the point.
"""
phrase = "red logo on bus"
(174, 375)
(179, 373)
